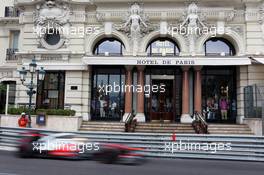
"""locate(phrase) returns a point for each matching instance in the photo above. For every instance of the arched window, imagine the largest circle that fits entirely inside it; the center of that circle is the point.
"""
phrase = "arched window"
(219, 47)
(164, 47)
(109, 46)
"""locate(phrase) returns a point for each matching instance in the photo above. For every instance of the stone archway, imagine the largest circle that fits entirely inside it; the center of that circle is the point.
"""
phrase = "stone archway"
(234, 38)
(156, 34)
(94, 39)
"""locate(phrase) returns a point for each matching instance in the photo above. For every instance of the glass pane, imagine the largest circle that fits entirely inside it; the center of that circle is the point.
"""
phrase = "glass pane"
(112, 47)
(107, 99)
(15, 38)
(160, 47)
(51, 91)
(52, 39)
(218, 47)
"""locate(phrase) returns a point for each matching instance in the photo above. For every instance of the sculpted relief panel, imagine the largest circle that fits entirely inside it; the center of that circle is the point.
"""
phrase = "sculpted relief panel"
(50, 19)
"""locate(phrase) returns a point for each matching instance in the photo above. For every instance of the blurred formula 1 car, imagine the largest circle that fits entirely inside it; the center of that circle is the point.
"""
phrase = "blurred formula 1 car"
(72, 146)
(116, 153)
(62, 145)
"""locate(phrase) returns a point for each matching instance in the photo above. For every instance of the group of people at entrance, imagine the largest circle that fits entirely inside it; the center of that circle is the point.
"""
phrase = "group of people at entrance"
(219, 109)
(104, 107)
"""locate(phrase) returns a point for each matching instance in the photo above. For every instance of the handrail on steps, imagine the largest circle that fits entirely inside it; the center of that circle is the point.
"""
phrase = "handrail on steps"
(199, 124)
(130, 123)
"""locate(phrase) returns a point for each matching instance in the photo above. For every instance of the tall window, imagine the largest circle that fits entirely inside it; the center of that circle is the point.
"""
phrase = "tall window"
(109, 46)
(14, 37)
(164, 47)
(51, 91)
(107, 97)
(219, 47)
(13, 46)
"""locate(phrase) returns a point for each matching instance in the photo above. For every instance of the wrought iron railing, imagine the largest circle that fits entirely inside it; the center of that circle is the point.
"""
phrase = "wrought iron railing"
(199, 124)
(130, 123)
(11, 54)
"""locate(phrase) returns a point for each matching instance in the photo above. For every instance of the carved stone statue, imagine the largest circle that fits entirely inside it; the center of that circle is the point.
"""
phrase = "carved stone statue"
(133, 25)
(193, 22)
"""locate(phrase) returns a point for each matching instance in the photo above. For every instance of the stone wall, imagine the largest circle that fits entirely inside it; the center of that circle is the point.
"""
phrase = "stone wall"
(56, 123)
(247, 75)
(255, 124)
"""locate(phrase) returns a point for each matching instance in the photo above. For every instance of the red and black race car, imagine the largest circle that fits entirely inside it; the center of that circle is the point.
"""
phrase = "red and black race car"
(73, 146)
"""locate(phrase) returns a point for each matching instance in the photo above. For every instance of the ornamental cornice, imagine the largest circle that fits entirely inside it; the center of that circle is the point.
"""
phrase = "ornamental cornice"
(176, 14)
(32, 2)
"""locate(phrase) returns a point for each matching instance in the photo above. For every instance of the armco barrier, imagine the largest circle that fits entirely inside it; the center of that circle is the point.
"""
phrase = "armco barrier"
(249, 148)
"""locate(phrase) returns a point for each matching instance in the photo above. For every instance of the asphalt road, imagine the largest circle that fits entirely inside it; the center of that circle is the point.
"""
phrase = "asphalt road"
(10, 165)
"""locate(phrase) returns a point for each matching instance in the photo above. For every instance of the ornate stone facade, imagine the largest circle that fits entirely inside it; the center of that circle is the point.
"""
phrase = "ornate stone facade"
(135, 25)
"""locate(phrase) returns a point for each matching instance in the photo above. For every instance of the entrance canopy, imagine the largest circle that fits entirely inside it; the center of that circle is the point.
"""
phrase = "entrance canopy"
(168, 61)
(259, 60)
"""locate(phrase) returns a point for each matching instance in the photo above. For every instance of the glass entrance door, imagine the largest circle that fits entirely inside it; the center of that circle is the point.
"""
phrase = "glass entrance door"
(219, 94)
(107, 99)
(161, 102)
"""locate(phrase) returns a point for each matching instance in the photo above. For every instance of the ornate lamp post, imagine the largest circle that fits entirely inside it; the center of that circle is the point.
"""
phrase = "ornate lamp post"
(31, 86)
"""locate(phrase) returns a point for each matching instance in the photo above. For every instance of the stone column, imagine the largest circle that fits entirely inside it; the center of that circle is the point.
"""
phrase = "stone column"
(128, 92)
(185, 117)
(198, 89)
(140, 95)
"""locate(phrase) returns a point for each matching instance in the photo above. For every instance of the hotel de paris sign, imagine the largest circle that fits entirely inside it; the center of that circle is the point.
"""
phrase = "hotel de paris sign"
(167, 61)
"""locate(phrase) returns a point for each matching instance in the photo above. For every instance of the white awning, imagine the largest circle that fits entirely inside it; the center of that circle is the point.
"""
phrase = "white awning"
(167, 61)
(259, 60)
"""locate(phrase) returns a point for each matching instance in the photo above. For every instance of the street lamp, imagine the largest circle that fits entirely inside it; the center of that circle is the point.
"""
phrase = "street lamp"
(41, 74)
(32, 66)
(31, 86)
(23, 74)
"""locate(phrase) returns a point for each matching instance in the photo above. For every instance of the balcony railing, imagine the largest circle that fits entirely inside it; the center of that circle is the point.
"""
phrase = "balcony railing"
(11, 11)
(11, 54)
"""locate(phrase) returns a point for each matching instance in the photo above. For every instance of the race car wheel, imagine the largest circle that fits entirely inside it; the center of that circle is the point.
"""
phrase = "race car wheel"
(109, 156)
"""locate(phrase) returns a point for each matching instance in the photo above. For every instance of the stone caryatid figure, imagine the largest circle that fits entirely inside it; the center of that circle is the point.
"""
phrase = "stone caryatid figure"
(133, 24)
(193, 23)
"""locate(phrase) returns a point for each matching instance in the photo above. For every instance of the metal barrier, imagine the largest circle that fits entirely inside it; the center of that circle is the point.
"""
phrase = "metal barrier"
(250, 148)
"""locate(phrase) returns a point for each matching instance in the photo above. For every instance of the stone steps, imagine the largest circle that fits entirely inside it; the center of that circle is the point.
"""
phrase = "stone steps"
(164, 128)
(165, 131)
(226, 129)
(228, 125)
(164, 124)
(231, 129)
(102, 129)
(102, 123)
(103, 126)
